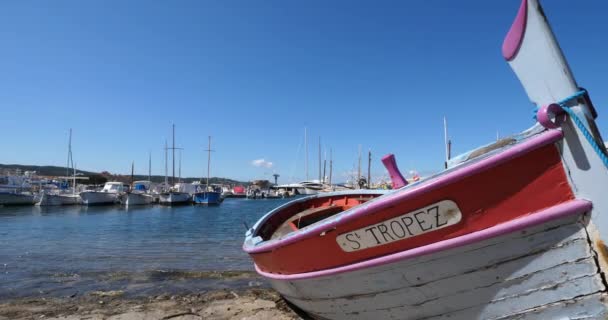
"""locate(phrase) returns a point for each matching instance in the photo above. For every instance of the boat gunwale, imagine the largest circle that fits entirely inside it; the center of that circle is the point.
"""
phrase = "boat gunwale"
(449, 176)
(571, 207)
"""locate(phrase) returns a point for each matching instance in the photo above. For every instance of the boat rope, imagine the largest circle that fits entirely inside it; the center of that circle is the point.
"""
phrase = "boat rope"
(563, 106)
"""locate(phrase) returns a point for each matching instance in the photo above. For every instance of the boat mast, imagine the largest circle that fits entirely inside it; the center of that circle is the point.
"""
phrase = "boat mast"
(180, 166)
(330, 164)
(173, 157)
(166, 164)
(359, 167)
(324, 165)
(446, 141)
(74, 179)
(71, 160)
(306, 153)
(150, 167)
(132, 169)
(319, 159)
(67, 167)
(208, 162)
(369, 169)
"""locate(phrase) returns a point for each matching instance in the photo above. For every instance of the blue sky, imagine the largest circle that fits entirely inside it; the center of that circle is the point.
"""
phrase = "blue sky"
(254, 74)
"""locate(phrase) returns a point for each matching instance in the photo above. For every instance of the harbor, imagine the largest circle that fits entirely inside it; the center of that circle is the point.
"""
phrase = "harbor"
(50, 250)
(111, 260)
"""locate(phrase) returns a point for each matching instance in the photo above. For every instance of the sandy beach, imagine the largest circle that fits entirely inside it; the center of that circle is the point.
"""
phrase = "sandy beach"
(251, 304)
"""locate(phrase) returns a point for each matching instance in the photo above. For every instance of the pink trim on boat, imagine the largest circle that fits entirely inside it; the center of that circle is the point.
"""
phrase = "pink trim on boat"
(390, 164)
(547, 113)
(558, 211)
(383, 202)
(515, 36)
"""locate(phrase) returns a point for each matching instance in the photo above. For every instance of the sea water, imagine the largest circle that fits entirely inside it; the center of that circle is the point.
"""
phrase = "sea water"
(69, 250)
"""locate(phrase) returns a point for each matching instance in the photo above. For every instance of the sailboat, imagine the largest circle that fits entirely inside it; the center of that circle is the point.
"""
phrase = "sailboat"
(173, 196)
(140, 192)
(309, 187)
(513, 230)
(63, 197)
(209, 196)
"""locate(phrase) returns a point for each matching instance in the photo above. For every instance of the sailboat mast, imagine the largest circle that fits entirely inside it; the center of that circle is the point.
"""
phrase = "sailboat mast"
(359, 167)
(132, 169)
(306, 153)
(324, 165)
(369, 169)
(208, 162)
(319, 159)
(180, 166)
(150, 166)
(330, 164)
(74, 179)
(67, 167)
(166, 164)
(445, 139)
(173, 157)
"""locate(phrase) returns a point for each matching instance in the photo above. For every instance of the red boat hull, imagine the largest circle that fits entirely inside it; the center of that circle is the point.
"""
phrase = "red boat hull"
(525, 184)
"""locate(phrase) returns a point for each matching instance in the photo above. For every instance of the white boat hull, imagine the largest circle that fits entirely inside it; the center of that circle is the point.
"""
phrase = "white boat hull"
(543, 272)
(98, 198)
(135, 199)
(58, 199)
(16, 199)
(173, 198)
(307, 191)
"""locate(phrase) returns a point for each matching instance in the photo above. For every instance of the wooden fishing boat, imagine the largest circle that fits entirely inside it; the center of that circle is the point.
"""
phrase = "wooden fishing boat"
(513, 230)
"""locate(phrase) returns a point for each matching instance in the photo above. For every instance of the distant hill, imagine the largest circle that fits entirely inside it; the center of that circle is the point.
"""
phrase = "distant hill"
(102, 177)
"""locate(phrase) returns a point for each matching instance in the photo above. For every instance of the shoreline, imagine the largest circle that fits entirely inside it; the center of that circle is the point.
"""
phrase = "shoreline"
(251, 304)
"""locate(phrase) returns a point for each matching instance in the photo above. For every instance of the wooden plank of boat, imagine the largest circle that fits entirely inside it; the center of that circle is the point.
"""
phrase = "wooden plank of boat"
(502, 272)
(543, 71)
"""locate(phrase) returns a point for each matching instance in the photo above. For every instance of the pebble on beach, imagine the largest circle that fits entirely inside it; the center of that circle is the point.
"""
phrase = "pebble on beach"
(252, 304)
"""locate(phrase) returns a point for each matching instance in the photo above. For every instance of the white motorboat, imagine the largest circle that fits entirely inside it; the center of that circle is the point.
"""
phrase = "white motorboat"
(174, 198)
(137, 198)
(140, 195)
(108, 195)
(58, 199)
(310, 187)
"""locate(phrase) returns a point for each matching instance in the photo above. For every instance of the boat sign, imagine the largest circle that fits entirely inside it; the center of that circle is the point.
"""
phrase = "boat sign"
(424, 220)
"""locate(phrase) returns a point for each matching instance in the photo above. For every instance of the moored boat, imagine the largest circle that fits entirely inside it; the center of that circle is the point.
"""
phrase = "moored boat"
(172, 198)
(16, 198)
(210, 195)
(58, 199)
(139, 194)
(238, 192)
(108, 195)
(137, 198)
(513, 230)
(179, 193)
(63, 195)
(16, 190)
(310, 187)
